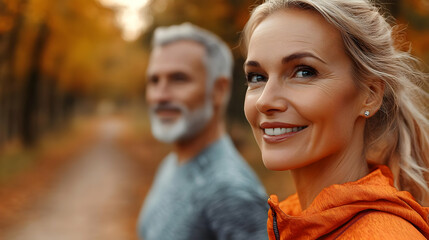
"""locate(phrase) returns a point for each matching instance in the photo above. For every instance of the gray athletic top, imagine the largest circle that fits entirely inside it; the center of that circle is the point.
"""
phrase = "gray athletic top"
(214, 196)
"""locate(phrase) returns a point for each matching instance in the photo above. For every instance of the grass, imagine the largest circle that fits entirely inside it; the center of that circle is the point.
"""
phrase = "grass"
(14, 160)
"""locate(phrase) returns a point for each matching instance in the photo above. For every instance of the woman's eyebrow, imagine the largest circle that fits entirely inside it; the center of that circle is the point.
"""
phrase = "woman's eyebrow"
(287, 59)
(251, 64)
(300, 55)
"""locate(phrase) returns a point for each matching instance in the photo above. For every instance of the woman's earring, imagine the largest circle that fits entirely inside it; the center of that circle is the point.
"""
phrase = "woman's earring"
(366, 113)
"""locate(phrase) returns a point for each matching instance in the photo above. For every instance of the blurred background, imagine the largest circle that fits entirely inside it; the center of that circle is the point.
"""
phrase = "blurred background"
(76, 153)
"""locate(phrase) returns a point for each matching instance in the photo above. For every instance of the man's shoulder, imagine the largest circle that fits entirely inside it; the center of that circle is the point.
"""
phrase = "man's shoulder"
(226, 157)
(166, 165)
(230, 184)
(230, 171)
(227, 169)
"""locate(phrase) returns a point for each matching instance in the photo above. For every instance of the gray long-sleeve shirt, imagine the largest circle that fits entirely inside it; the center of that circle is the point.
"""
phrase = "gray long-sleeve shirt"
(214, 196)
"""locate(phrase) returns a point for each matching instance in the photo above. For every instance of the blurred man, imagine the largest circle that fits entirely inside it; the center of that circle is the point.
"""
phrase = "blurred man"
(203, 189)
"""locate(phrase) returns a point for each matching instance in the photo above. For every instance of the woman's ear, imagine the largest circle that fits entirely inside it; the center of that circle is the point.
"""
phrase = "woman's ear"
(374, 98)
(221, 90)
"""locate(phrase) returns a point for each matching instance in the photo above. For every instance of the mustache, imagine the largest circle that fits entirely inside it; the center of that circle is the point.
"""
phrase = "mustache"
(167, 106)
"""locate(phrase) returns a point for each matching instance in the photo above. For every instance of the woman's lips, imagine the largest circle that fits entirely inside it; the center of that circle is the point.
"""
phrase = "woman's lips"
(276, 131)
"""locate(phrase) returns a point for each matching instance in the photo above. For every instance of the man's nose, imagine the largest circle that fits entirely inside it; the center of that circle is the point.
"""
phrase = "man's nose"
(159, 92)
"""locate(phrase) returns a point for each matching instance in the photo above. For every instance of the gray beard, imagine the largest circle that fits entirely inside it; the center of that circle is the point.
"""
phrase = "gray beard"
(188, 125)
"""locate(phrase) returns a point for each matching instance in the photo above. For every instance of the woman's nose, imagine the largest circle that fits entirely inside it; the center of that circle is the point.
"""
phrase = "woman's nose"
(272, 98)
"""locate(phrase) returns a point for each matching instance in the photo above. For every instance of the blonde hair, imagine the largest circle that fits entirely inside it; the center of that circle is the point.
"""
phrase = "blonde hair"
(399, 131)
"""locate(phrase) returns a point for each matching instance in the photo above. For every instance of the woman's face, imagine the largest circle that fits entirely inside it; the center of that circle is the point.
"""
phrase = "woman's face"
(301, 101)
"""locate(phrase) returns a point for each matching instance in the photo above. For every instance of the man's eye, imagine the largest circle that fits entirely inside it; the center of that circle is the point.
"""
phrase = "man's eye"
(152, 80)
(179, 77)
(255, 78)
(305, 72)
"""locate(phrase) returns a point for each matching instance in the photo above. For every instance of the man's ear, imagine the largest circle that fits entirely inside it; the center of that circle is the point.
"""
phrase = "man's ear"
(374, 97)
(221, 89)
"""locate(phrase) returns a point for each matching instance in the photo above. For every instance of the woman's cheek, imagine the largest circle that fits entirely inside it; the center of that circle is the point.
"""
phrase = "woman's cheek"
(250, 108)
(251, 113)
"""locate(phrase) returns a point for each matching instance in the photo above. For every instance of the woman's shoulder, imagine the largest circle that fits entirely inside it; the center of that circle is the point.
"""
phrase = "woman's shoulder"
(379, 225)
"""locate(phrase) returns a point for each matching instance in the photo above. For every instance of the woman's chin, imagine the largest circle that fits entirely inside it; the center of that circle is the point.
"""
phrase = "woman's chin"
(277, 164)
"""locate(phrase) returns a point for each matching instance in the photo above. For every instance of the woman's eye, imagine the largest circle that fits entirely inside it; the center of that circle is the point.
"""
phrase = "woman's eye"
(305, 72)
(255, 78)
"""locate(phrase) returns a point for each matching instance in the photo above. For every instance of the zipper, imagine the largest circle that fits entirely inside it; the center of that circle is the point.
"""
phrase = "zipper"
(275, 228)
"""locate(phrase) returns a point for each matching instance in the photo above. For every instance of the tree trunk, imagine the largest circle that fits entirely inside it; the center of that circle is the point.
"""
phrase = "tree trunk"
(30, 104)
(9, 89)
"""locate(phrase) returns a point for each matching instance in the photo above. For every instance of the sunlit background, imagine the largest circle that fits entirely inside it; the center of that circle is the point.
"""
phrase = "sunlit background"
(76, 153)
(130, 16)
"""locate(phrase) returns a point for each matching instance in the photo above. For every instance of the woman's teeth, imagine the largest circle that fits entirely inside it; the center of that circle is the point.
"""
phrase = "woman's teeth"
(280, 131)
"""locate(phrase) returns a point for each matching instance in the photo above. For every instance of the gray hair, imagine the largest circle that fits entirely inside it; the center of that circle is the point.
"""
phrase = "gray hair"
(218, 62)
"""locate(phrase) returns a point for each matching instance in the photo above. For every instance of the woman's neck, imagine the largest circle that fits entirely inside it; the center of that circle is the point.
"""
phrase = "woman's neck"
(312, 179)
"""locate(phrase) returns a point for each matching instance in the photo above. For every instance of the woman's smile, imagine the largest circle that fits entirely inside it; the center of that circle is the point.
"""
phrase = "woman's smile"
(274, 132)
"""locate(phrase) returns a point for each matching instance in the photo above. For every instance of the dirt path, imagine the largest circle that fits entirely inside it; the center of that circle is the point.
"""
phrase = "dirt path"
(92, 199)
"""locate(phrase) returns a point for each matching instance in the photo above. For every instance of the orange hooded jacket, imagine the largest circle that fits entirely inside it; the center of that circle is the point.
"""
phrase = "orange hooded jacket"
(370, 208)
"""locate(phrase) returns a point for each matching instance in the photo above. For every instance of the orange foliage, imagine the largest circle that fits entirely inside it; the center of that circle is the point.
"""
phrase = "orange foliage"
(6, 23)
(82, 49)
(421, 6)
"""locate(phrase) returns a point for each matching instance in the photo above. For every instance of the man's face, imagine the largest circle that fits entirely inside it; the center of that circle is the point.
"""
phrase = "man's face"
(176, 91)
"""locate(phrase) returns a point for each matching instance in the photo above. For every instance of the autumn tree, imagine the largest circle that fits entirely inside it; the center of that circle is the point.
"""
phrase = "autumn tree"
(58, 58)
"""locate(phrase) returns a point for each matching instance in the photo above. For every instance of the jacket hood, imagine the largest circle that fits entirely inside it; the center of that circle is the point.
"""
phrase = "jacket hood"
(338, 204)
